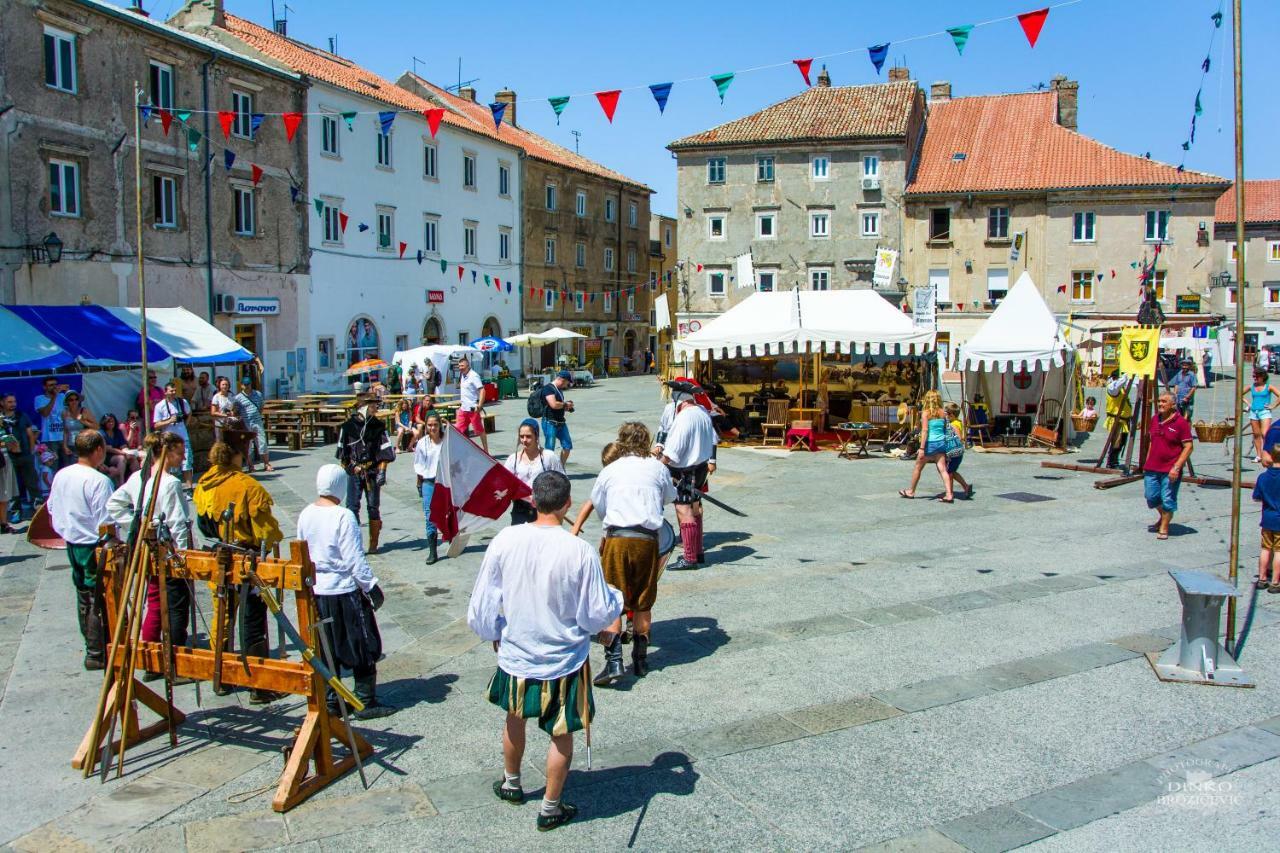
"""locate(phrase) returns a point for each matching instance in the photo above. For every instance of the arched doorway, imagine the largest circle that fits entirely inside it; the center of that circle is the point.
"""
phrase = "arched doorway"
(491, 329)
(629, 348)
(432, 331)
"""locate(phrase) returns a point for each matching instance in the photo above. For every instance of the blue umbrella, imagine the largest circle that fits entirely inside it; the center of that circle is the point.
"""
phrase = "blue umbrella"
(491, 344)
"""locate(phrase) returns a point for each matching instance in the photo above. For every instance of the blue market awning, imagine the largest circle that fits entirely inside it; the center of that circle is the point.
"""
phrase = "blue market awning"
(24, 348)
(90, 334)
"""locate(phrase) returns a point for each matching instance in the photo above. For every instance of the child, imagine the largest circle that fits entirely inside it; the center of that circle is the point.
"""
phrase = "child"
(1267, 491)
(1090, 408)
(953, 462)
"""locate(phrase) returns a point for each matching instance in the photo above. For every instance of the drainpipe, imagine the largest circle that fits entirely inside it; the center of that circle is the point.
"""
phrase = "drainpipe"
(208, 188)
(617, 274)
(519, 241)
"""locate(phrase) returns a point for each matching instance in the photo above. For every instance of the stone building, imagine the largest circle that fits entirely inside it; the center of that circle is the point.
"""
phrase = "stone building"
(664, 254)
(1262, 269)
(67, 149)
(1007, 184)
(809, 188)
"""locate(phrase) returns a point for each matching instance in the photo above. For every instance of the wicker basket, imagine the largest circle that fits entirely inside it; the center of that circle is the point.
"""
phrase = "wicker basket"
(1212, 433)
(1084, 424)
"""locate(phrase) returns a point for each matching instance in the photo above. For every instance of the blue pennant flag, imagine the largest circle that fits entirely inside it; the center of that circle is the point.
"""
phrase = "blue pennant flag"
(293, 193)
(878, 54)
(1193, 129)
(419, 257)
(1204, 66)
(255, 122)
(146, 114)
(661, 91)
(473, 276)
(362, 227)
(498, 108)
(508, 287)
(228, 158)
(385, 118)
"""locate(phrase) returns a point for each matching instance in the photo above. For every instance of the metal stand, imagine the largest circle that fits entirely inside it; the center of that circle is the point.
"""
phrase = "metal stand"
(1198, 657)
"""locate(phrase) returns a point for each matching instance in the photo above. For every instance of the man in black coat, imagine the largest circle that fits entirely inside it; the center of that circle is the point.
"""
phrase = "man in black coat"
(360, 453)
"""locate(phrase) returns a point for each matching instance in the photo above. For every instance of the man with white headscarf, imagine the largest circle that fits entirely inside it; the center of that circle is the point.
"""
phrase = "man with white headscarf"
(688, 449)
(347, 593)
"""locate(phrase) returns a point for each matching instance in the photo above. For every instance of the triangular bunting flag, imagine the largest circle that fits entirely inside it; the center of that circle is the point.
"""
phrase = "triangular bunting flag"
(256, 171)
(385, 118)
(166, 119)
(460, 271)
(661, 91)
(1204, 66)
(433, 117)
(608, 102)
(146, 114)
(1186, 146)
(1032, 23)
(293, 193)
(1193, 128)
(291, 122)
(722, 82)
(878, 54)
(473, 276)
(403, 246)
(960, 35)
(351, 120)
(226, 118)
(699, 267)
(1062, 288)
(486, 280)
(342, 221)
(419, 257)
(508, 287)
(319, 203)
(1199, 108)
(255, 122)
(444, 266)
(497, 285)
(362, 227)
(184, 116)
(193, 138)
(558, 104)
(498, 108)
(228, 158)
(804, 65)
(1216, 17)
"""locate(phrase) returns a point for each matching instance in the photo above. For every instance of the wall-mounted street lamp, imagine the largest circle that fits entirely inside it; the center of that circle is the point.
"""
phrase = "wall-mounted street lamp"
(48, 252)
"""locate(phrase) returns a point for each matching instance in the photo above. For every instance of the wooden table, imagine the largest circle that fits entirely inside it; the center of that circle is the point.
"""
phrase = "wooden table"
(854, 438)
(803, 414)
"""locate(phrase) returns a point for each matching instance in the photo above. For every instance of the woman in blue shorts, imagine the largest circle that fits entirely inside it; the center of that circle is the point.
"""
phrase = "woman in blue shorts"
(933, 433)
(1258, 400)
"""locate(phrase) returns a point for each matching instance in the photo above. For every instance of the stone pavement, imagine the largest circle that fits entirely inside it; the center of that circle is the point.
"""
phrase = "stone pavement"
(851, 670)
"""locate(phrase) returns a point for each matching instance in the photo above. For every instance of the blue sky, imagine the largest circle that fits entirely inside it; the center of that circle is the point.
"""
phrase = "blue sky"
(1137, 61)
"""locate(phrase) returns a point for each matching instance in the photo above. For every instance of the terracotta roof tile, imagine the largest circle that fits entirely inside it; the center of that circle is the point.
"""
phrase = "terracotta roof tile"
(1013, 142)
(821, 112)
(1261, 202)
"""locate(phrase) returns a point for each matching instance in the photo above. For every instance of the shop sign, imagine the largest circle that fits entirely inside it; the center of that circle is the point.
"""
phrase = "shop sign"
(1188, 303)
(258, 306)
(435, 297)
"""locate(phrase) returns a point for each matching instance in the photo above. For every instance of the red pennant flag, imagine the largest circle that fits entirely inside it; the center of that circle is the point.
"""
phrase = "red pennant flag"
(342, 221)
(1113, 273)
(804, 65)
(608, 102)
(256, 171)
(291, 122)
(403, 246)
(960, 305)
(225, 118)
(497, 282)
(459, 273)
(1062, 288)
(1032, 23)
(433, 120)
(699, 267)
(166, 119)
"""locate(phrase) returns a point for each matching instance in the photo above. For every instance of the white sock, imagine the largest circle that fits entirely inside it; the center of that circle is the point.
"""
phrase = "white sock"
(550, 807)
(511, 780)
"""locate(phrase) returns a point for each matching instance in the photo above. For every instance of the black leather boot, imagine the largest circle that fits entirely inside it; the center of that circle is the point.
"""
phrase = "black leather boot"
(640, 655)
(261, 649)
(612, 664)
(432, 555)
(89, 614)
(367, 692)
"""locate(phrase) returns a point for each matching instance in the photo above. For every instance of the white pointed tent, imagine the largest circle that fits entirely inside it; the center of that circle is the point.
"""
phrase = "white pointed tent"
(1019, 360)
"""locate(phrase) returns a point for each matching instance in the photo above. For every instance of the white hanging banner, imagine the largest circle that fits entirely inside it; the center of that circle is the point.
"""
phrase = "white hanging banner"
(924, 308)
(661, 315)
(745, 271)
(886, 260)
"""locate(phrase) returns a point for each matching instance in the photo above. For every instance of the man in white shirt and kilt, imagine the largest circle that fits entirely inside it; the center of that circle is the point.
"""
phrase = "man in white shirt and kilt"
(689, 450)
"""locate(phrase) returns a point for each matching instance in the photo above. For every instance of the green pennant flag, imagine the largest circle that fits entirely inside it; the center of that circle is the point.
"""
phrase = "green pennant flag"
(184, 115)
(1199, 109)
(351, 120)
(193, 138)
(486, 280)
(722, 82)
(558, 104)
(444, 265)
(960, 35)
(319, 203)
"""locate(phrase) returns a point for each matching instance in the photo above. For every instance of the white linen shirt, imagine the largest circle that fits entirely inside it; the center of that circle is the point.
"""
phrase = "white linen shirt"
(426, 457)
(470, 387)
(166, 409)
(527, 471)
(171, 502)
(333, 538)
(631, 492)
(542, 593)
(78, 503)
(667, 419)
(692, 438)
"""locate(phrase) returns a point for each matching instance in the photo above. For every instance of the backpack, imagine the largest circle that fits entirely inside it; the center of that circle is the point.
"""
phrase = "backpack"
(537, 405)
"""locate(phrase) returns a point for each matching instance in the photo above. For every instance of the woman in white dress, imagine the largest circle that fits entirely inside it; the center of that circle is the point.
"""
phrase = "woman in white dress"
(527, 463)
(426, 462)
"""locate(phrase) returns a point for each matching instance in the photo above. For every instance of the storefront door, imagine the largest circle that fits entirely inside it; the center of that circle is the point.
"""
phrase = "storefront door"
(249, 336)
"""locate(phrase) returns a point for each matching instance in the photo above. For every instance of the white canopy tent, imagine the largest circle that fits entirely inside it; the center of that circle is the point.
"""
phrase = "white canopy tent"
(537, 339)
(438, 354)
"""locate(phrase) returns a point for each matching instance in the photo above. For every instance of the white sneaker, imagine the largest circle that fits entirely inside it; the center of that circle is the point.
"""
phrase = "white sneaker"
(1256, 460)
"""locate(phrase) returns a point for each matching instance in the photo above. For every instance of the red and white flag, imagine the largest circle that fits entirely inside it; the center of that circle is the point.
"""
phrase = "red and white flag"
(472, 488)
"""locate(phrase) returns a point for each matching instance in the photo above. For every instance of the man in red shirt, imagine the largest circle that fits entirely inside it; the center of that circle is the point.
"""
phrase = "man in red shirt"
(1170, 435)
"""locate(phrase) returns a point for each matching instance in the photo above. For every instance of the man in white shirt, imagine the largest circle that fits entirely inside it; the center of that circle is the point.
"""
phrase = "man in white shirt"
(689, 452)
(77, 506)
(49, 407)
(171, 415)
(539, 597)
(471, 399)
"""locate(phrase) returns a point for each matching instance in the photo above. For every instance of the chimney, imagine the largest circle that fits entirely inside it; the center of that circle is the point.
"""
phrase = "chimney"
(899, 72)
(940, 91)
(468, 93)
(136, 8)
(197, 14)
(508, 97)
(1068, 99)
(824, 79)
(282, 27)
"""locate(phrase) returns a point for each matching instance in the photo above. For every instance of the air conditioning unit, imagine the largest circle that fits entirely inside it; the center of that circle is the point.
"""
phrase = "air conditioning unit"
(871, 183)
(224, 303)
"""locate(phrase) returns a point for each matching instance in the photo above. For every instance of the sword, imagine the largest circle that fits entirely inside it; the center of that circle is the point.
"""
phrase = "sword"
(724, 506)
(342, 703)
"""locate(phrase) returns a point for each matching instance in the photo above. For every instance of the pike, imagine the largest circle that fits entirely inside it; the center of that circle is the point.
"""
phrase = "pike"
(220, 600)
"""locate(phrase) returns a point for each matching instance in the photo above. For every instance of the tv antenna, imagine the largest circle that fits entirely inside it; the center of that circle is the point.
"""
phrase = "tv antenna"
(457, 87)
(577, 136)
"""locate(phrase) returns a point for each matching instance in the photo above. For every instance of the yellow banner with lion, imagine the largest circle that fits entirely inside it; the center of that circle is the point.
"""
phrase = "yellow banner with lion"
(1139, 351)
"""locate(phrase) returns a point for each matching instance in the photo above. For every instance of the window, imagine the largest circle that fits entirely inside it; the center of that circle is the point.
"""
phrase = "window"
(997, 223)
(242, 108)
(469, 240)
(608, 258)
(631, 260)
(1230, 295)
(1272, 290)
(580, 255)
(997, 284)
(384, 150)
(161, 85)
(579, 303)
(329, 135)
(164, 201)
(609, 211)
(431, 234)
(1157, 225)
(940, 281)
(1158, 281)
(765, 281)
(324, 353)
(549, 251)
(1273, 252)
(666, 237)
(580, 203)
(59, 60)
(549, 295)
(871, 223)
(1082, 227)
(332, 221)
(870, 166)
(402, 343)
(246, 211)
(715, 170)
(940, 223)
(504, 244)
(633, 214)
(551, 196)
(819, 279)
(469, 171)
(386, 228)
(64, 188)
(1232, 254)
(504, 180)
(820, 167)
(430, 159)
(608, 302)
(715, 282)
(820, 224)
(715, 227)
(1081, 286)
(631, 302)
(766, 226)
(764, 169)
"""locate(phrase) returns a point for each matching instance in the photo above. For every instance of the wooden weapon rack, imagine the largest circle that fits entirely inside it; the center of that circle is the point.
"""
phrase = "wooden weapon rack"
(311, 763)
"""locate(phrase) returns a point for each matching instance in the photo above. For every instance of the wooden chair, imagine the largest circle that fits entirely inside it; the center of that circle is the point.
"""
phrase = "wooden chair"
(775, 421)
(979, 424)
